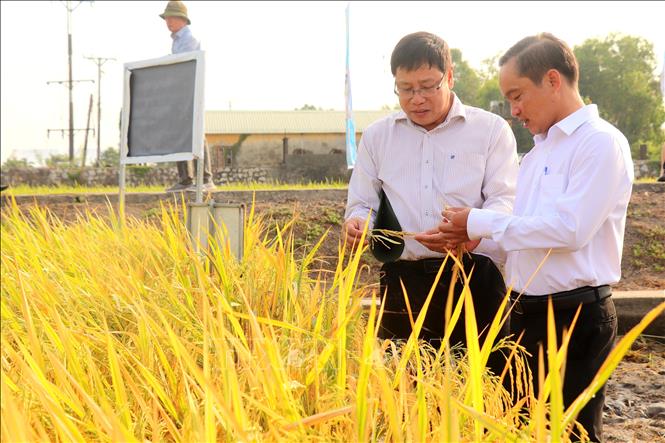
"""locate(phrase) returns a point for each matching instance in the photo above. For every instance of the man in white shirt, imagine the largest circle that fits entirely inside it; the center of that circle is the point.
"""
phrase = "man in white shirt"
(436, 152)
(573, 190)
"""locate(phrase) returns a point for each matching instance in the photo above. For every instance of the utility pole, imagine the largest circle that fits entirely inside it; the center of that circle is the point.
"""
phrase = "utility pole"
(70, 82)
(71, 129)
(99, 61)
(87, 129)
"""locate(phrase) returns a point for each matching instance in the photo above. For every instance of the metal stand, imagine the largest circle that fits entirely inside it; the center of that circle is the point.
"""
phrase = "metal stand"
(229, 221)
(198, 225)
(199, 180)
(121, 197)
(219, 222)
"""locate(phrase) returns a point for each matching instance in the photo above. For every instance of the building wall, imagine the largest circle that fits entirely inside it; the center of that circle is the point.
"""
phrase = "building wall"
(267, 150)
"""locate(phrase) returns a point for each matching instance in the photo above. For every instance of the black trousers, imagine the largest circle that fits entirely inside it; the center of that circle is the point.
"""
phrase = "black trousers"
(486, 285)
(187, 168)
(591, 342)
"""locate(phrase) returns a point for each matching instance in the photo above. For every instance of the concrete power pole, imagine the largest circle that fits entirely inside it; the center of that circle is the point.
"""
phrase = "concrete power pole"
(70, 82)
(99, 61)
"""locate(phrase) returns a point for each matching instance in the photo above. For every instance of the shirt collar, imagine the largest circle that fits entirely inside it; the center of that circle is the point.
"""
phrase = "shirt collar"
(184, 30)
(457, 110)
(569, 124)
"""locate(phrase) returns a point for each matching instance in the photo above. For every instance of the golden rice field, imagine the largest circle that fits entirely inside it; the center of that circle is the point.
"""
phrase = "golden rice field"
(118, 330)
(244, 186)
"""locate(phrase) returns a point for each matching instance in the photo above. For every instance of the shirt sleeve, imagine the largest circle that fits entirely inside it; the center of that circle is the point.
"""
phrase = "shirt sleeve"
(364, 186)
(599, 178)
(499, 183)
(501, 170)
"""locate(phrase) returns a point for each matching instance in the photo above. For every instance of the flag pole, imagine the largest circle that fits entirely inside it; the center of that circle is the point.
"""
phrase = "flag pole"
(350, 125)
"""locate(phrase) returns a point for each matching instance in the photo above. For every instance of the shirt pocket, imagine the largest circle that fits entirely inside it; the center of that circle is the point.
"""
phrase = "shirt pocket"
(551, 188)
(463, 175)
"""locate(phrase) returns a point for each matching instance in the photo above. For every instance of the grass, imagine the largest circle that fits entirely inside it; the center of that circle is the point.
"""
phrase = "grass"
(650, 249)
(646, 180)
(118, 330)
(251, 186)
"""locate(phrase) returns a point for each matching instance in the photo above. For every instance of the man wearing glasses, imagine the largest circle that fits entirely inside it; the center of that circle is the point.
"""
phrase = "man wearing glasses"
(436, 153)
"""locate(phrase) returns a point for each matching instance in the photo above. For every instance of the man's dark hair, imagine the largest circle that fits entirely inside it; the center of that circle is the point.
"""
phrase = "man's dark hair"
(537, 54)
(419, 48)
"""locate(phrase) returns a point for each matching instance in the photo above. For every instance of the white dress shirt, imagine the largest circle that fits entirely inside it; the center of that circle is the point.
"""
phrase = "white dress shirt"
(468, 160)
(573, 190)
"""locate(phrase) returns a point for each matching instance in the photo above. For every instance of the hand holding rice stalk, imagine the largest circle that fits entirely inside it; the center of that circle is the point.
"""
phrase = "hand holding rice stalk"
(459, 251)
(386, 236)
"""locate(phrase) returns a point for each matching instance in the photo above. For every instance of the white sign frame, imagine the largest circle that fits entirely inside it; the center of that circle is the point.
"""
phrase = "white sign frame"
(198, 111)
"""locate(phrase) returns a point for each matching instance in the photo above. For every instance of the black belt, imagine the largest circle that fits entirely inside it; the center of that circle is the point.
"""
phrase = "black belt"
(560, 300)
(426, 265)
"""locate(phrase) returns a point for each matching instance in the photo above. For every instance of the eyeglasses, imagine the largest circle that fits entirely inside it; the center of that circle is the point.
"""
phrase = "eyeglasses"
(427, 92)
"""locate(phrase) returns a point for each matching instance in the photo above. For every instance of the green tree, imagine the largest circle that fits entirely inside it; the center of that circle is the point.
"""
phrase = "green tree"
(57, 161)
(13, 162)
(467, 81)
(490, 98)
(109, 157)
(489, 92)
(617, 73)
(489, 89)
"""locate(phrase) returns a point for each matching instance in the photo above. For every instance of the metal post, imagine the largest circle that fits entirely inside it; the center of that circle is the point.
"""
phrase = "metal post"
(99, 112)
(199, 180)
(99, 61)
(87, 128)
(71, 84)
(121, 196)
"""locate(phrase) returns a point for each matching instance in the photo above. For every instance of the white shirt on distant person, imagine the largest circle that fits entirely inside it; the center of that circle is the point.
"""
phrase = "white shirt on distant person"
(184, 41)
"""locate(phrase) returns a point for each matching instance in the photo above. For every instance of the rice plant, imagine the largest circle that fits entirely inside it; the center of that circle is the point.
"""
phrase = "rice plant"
(240, 186)
(119, 330)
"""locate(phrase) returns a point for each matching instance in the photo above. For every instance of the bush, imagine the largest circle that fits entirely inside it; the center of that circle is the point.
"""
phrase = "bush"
(16, 163)
(109, 158)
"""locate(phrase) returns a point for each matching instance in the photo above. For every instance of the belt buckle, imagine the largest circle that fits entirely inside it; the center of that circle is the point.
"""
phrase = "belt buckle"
(517, 307)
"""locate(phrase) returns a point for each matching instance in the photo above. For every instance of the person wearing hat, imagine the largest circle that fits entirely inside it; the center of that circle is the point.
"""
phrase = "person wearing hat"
(177, 21)
(410, 165)
(565, 237)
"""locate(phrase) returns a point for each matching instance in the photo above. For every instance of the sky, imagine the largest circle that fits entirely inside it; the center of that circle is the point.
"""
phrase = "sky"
(260, 55)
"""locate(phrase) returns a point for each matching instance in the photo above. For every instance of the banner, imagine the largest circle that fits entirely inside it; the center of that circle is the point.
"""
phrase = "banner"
(350, 125)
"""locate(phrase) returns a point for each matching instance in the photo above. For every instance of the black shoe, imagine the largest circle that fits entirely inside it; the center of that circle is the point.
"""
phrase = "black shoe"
(181, 187)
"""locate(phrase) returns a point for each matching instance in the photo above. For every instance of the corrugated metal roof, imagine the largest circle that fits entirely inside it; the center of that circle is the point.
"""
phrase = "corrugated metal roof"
(290, 122)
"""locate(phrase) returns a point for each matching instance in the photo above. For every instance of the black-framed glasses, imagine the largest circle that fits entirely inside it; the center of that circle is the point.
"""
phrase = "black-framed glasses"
(426, 92)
